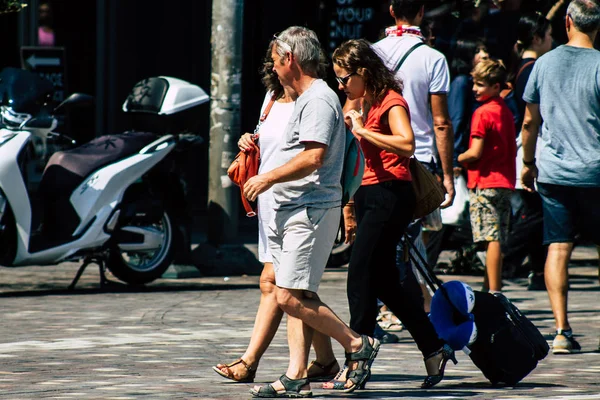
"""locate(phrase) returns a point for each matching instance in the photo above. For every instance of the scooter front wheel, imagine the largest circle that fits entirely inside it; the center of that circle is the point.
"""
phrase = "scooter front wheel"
(144, 265)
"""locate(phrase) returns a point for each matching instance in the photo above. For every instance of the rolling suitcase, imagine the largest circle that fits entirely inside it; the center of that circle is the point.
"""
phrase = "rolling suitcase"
(507, 345)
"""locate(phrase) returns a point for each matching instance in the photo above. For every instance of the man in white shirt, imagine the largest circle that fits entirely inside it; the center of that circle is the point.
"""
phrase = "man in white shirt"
(426, 79)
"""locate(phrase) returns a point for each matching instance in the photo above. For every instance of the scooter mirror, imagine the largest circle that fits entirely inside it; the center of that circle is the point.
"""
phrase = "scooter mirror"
(76, 99)
(45, 122)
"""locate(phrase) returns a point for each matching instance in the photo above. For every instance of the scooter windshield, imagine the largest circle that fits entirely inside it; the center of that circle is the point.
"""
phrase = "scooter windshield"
(24, 91)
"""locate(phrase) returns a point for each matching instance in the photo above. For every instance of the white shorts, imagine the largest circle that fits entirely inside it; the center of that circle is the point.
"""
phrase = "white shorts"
(301, 240)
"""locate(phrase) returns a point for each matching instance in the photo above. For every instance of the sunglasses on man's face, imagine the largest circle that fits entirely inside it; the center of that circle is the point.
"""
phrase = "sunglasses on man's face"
(343, 80)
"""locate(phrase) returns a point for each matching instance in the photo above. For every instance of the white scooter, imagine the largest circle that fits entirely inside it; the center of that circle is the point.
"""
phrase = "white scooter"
(106, 202)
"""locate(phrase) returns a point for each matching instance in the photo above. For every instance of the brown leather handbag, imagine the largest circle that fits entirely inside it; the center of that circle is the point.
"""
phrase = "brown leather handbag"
(429, 193)
(245, 164)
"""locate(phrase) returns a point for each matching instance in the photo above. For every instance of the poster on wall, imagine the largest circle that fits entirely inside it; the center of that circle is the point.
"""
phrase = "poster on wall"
(356, 19)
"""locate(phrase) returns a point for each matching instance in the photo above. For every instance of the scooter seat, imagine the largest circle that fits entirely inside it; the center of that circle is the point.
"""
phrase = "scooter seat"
(99, 152)
(68, 169)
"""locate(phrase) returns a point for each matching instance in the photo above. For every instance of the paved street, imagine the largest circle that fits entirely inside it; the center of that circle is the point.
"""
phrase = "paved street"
(160, 341)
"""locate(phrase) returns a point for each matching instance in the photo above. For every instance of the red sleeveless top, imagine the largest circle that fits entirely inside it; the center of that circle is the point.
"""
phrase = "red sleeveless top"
(381, 165)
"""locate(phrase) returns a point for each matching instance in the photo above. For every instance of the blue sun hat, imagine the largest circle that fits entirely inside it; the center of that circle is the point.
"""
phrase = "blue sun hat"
(451, 315)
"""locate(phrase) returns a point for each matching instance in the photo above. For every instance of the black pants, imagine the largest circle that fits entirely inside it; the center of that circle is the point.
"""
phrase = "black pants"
(383, 212)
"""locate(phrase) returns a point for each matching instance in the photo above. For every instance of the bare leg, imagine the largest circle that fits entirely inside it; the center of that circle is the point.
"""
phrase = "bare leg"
(299, 339)
(268, 318)
(323, 349)
(557, 281)
(494, 266)
(313, 312)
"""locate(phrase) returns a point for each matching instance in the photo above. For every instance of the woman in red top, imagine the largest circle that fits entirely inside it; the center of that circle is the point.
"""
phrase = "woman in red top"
(384, 204)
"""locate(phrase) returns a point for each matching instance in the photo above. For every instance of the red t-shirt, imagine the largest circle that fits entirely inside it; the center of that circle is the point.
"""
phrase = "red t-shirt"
(496, 168)
(380, 164)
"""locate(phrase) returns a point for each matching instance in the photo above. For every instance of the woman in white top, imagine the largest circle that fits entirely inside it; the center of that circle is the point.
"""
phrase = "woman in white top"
(269, 314)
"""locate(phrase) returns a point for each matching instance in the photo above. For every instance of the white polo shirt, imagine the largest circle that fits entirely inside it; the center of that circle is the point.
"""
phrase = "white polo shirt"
(424, 72)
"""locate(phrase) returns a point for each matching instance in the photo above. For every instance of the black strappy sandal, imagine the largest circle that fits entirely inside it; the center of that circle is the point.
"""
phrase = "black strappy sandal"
(447, 354)
(364, 357)
(292, 389)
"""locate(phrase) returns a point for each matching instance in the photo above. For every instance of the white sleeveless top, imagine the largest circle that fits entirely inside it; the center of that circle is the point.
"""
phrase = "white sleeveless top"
(270, 142)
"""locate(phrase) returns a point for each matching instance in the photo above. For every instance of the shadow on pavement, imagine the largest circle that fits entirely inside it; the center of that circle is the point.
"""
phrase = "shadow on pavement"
(120, 288)
(520, 385)
(403, 393)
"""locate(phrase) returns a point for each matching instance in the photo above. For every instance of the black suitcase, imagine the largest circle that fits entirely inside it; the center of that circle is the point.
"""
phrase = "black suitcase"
(508, 346)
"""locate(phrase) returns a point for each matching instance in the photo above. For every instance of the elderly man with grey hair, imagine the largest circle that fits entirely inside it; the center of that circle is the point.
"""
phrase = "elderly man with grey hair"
(307, 193)
(563, 91)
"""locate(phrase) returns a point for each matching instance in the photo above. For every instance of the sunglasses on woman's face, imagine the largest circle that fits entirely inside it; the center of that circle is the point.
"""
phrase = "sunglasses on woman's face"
(343, 80)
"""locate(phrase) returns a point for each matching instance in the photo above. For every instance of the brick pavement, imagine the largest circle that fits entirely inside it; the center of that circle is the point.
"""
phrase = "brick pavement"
(160, 341)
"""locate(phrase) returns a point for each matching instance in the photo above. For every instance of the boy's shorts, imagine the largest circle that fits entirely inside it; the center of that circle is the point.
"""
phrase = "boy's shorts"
(490, 214)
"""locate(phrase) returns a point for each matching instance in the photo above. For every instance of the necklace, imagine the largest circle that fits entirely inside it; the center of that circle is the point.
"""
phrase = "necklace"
(398, 31)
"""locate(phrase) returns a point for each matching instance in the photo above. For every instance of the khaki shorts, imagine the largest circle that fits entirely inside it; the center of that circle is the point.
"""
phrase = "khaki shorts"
(490, 214)
(301, 240)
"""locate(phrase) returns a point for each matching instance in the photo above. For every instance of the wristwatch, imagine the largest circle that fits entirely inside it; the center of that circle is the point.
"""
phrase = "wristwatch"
(529, 163)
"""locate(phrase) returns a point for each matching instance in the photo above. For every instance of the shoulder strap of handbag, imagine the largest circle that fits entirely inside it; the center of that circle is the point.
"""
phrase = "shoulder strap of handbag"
(265, 114)
(406, 55)
(527, 64)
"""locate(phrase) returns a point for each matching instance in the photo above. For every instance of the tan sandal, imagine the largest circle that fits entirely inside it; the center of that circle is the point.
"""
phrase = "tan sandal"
(248, 378)
(326, 372)
(389, 322)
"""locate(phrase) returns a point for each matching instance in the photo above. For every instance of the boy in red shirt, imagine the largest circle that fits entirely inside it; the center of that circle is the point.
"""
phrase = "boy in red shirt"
(491, 168)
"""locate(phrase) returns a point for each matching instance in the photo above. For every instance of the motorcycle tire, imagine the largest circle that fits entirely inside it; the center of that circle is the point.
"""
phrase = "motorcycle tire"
(151, 265)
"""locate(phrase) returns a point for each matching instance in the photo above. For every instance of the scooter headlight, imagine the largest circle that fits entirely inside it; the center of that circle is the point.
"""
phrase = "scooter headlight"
(13, 119)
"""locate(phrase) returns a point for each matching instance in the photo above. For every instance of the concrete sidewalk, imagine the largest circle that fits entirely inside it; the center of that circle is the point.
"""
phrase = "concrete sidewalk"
(160, 341)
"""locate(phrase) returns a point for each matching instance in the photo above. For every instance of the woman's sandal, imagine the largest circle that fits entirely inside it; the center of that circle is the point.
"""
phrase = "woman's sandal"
(292, 388)
(326, 372)
(229, 374)
(364, 358)
(337, 383)
(389, 322)
(447, 354)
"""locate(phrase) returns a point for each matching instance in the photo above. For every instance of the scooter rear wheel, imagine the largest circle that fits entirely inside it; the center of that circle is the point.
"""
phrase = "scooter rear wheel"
(140, 267)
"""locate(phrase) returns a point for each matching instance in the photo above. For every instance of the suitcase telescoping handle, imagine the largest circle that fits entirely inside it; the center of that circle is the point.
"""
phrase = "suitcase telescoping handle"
(421, 264)
(426, 273)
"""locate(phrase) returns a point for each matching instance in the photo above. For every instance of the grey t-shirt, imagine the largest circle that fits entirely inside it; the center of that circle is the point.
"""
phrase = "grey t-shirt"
(565, 82)
(317, 117)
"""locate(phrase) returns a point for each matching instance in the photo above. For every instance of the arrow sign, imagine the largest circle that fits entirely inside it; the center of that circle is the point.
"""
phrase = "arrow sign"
(42, 61)
(49, 63)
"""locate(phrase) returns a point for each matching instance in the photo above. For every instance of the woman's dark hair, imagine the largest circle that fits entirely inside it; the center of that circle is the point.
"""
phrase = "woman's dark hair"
(530, 26)
(464, 52)
(355, 55)
(270, 79)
